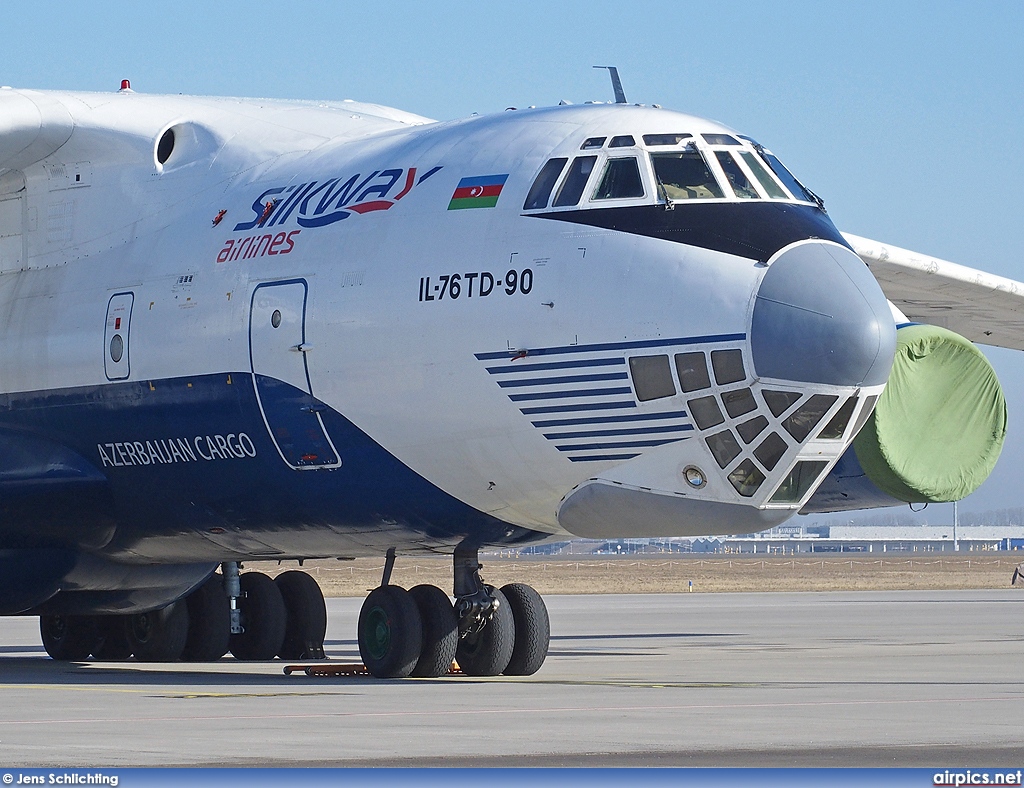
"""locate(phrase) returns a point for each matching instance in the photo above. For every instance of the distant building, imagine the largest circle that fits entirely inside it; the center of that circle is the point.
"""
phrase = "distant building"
(869, 539)
(788, 539)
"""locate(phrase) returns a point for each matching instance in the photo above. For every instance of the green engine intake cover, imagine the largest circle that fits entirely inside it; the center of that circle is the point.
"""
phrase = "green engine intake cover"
(938, 428)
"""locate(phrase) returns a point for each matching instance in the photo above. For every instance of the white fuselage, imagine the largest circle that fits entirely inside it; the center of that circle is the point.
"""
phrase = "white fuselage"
(394, 330)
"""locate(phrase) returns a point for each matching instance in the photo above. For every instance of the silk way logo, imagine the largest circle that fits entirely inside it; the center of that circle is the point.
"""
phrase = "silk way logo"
(316, 203)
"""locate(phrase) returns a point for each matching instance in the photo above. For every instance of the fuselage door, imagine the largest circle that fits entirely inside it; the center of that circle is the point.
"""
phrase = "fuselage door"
(279, 356)
(115, 337)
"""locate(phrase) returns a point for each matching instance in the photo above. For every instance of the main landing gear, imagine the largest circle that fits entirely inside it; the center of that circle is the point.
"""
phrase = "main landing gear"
(419, 632)
(251, 615)
(489, 631)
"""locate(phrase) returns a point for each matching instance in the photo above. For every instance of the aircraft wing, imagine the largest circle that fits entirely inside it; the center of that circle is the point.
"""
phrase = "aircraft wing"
(983, 307)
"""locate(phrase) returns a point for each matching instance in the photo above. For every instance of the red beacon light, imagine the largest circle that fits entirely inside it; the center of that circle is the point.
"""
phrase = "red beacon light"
(126, 84)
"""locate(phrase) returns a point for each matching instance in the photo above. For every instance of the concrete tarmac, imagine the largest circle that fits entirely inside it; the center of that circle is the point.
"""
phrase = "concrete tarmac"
(931, 679)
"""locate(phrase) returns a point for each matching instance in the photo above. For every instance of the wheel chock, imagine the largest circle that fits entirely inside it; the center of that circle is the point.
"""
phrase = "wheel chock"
(346, 669)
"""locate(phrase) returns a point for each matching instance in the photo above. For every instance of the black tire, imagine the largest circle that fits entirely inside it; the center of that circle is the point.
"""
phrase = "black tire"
(390, 633)
(487, 652)
(209, 622)
(68, 638)
(159, 636)
(307, 616)
(112, 644)
(440, 631)
(264, 618)
(533, 629)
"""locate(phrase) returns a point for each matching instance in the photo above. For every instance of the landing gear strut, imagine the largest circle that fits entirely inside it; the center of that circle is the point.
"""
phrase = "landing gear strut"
(487, 630)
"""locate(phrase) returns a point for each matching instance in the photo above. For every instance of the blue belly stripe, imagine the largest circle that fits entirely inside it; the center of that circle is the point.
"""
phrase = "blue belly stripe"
(678, 414)
(634, 431)
(622, 445)
(578, 408)
(595, 362)
(604, 457)
(606, 346)
(567, 379)
(566, 394)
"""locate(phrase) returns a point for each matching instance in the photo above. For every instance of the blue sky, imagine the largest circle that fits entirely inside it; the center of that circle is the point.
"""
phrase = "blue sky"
(905, 117)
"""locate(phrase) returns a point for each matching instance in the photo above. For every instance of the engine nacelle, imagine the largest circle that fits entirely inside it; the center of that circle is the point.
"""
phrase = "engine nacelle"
(935, 433)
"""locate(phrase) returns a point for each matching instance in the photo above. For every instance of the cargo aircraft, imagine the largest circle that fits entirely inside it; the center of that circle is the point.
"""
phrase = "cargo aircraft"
(237, 329)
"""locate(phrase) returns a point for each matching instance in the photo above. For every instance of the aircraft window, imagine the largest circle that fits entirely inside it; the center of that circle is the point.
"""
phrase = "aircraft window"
(593, 142)
(738, 402)
(575, 182)
(806, 417)
(116, 348)
(784, 175)
(772, 189)
(779, 402)
(652, 377)
(621, 180)
(728, 366)
(720, 139)
(545, 182)
(737, 179)
(746, 478)
(799, 481)
(624, 141)
(837, 426)
(685, 176)
(749, 430)
(724, 447)
(864, 414)
(705, 412)
(165, 147)
(665, 139)
(770, 451)
(693, 371)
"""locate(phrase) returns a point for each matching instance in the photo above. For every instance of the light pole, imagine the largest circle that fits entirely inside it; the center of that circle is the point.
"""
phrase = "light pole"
(956, 522)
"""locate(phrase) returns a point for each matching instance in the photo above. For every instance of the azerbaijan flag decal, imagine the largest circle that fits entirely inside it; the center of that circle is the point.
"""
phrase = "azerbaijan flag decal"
(481, 191)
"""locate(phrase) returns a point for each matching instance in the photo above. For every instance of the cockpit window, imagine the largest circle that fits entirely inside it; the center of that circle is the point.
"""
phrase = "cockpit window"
(624, 141)
(575, 182)
(685, 176)
(720, 139)
(786, 177)
(656, 140)
(737, 178)
(545, 182)
(621, 180)
(772, 189)
(593, 142)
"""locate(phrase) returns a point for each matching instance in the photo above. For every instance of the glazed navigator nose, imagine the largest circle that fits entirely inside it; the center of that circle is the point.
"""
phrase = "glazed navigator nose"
(820, 317)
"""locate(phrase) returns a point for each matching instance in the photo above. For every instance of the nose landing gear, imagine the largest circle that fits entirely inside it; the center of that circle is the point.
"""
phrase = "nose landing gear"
(489, 631)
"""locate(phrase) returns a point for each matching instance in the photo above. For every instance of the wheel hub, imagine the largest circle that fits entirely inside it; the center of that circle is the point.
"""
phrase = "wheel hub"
(377, 633)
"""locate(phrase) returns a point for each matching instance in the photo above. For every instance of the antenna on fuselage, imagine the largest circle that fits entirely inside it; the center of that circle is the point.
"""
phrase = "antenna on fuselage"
(620, 96)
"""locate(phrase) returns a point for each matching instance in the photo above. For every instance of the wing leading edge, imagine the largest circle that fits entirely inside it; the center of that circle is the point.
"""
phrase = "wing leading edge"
(983, 307)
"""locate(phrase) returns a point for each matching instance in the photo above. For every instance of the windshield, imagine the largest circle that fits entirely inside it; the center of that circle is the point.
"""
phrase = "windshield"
(685, 176)
(784, 175)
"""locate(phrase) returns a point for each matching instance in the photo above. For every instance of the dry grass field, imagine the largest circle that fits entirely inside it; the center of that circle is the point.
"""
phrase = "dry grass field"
(674, 573)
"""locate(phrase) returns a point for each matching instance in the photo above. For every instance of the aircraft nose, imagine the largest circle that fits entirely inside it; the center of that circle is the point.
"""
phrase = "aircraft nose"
(820, 317)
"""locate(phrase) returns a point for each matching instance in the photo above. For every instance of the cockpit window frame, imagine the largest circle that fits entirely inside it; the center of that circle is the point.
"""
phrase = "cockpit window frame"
(716, 176)
(709, 146)
(579, 188)
(606, 166)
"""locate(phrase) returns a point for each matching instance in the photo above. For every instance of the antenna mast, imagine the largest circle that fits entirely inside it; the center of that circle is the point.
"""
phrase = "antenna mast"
(620, 96)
